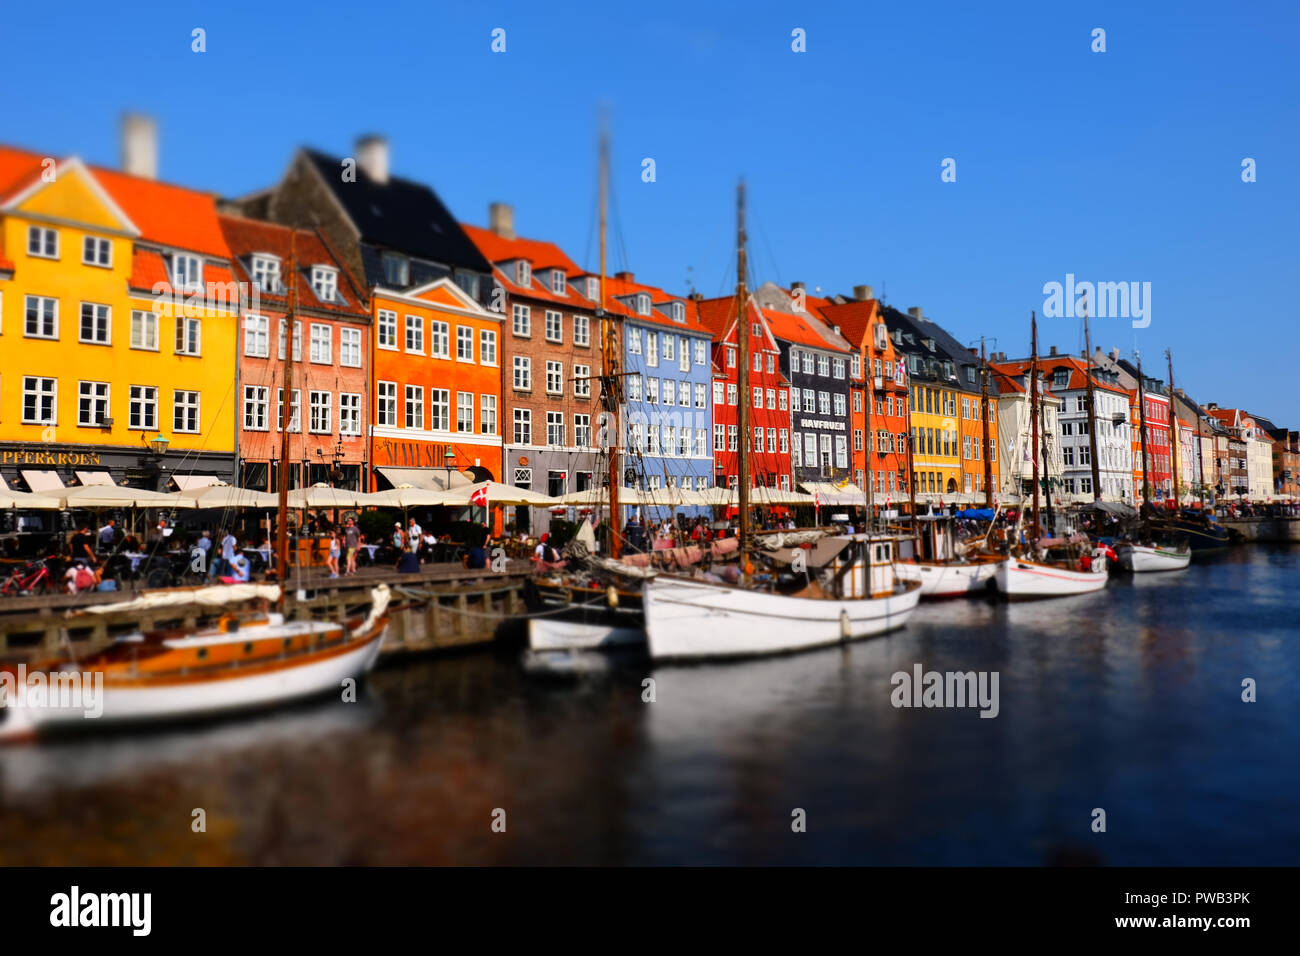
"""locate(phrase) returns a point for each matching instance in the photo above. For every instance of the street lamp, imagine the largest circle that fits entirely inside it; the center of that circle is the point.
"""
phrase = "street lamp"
(449, 462)
(158, 444)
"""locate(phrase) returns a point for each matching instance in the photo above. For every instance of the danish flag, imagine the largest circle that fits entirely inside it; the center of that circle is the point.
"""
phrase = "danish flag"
(479, 498)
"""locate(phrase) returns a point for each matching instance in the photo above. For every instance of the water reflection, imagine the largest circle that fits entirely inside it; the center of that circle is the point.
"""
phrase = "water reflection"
(1128, 700)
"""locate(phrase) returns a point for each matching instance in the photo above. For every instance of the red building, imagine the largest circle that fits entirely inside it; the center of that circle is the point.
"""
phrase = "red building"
(1159, 458)
(331, 354)
(770, 414)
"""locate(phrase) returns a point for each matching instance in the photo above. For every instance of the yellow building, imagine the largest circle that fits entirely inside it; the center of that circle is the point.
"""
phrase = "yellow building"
(118, 325)
(936, 454)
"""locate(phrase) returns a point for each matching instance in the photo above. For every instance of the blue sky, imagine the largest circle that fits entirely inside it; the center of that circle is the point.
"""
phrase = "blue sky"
(1115, 166)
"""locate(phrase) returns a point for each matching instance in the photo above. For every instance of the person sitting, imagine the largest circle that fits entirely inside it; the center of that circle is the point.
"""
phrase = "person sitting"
(475, 559)
(238, 569)
(81, 578)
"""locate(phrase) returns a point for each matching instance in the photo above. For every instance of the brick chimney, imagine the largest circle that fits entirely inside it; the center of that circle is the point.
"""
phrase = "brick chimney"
(372, 157)
(862, 292)
(1052, 352)
(915, 312)
(624, 276)
(1114, 355)
(501, 219)
(797, 287)
(140, 145)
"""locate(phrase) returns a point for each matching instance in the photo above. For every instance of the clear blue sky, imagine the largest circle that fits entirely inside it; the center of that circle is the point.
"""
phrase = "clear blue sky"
(1123, 165)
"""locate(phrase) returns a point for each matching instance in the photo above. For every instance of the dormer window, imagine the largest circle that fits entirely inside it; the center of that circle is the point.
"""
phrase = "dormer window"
(523, 273)
(266, 272)
(325, 283)
(1060, 378)
(642, 304)
(557, 282)
(187, 271)
(397, 270)
(677, 311)
(928, 343)
(593, 289)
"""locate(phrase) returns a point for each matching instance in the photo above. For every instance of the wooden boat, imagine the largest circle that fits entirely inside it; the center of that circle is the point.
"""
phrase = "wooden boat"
(947, 579)
(1141, 557)
(244, 662)
(1021, 578)
(689, 618)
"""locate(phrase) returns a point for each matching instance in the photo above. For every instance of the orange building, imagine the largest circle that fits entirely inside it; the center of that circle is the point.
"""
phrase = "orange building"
(436, 387)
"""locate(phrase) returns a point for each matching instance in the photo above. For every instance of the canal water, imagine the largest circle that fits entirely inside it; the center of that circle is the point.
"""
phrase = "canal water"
(1128, 701)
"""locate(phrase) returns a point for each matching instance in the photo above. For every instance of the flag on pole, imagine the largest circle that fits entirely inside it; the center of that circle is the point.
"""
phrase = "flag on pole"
(479, 498)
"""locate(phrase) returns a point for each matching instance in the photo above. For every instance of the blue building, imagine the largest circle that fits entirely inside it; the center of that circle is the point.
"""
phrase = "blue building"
(668, 394)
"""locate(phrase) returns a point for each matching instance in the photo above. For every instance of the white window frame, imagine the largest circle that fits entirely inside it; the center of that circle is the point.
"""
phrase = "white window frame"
(185, 400)
(582, 330)
(144, 403)
(325, 283)
(487, 347)
(522, 373)
(465, 344)
(257, 399)
(99, 396)
(554, 377)
(106, 316)
(439, 339)
(386, 404)
(349, 413)
(43, 234)
(40, 391)
(413, 334)
(554, 320)
(321, 334)
(257, 328)
(350, 345)
(51, 316)
(320, 412)
(386, 329)
(91, 246)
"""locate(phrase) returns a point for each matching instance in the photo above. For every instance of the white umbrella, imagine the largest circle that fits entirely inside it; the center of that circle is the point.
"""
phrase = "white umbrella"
(501, 494)
(323, 496)
(117, 496)
(23, 500)
(405, 496)
(224, 496)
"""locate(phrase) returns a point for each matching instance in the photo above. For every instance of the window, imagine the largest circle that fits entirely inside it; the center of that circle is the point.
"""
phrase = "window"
(717, 393)
(257, 335)
(42, 242)
(643, 304)
(839, 368)
(670, 396)
(464, 344)
(733, 437)
(554, 326)
(386, 412)
(554, 378)
(771, 439)
(731, 357)
(652, 349)
(555, 428)
(523, 426)
(187, 271)
(634, 341)
(810, 401)
(684, 355)
(634, 438)
(319, 414)
(97, 252)
(325, 283)
(857, 439)
(297, 340)
(582, 381)
(1067, 454)
(719, 437)
(185, 411)
(857, 402)
(95, 323)
(839, 403)
(582, 431)
(701, 352)
(39, 400)
(758, 362)
(415, 334)
(414, 407)
(440, 409)
(522, 321)
(189, 337)
(652, 391)
(783, 401)
(557, 282)
(295, 410)
(523, 273)
(758, 398)
(733, 394)
(701, 395)
(856, 366)
(487, 347)
(582, 330)
(823, 365)
(1067, 428)
(387, 330)
(465, 412)
(397, 270)
(350, 348)
(684, 394)
(439, 340)
(808, 360)
(841, 451)
(266, 273)
(785, 441)
(487, 414)
(349, 413)
(634, 388)
(144, 330)
(92, 404)
(771, 363)
(143, 407)
(322, 344)
(670, 440)
(255, 407)
(823, 403)
(42, 317)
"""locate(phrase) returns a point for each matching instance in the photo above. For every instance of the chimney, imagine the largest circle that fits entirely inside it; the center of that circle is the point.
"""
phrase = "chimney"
(140, 145)
(372, 157)
(1211, 406)
(797, 287)
(1052, 352)
(501, 219)
(1114, 355)
(862, 292)
(624, 276)
(915, 312)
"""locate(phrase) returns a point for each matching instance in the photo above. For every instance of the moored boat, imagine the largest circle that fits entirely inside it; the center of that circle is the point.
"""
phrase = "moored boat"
(1142, 557)
(1020, 578)
(944, 579)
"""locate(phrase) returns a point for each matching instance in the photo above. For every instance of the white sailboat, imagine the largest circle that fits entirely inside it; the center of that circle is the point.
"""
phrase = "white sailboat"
(1141, 558)
(856, 593)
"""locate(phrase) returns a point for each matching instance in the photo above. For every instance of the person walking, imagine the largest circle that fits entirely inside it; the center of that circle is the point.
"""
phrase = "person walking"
(351, 545)
(414, 536)
(332, 562)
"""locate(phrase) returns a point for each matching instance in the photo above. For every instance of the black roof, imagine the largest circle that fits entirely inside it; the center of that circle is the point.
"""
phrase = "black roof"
(402, 215)
(945, 348)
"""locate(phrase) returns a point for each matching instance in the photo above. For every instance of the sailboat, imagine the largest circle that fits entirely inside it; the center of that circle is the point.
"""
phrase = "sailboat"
(245, 660)
(855, 592)
(1044, 566)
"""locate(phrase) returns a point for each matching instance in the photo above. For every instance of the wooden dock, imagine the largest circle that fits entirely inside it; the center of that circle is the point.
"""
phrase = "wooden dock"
(442, 606)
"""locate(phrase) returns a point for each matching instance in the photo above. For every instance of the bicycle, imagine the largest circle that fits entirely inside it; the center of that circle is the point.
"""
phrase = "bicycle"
(32, 578)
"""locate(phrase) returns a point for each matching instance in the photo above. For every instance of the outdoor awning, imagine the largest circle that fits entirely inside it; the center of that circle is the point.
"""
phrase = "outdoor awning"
(41, 480)
(833, 494)
(91, 478)
(430, 479)
(4, 486)
(25, 502)
(194, 482)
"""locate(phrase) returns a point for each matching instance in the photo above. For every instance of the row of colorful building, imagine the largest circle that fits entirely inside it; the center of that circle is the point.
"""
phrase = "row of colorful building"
(144, 328)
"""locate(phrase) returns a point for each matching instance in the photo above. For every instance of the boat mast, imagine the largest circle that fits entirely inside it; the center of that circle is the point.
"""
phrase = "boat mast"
(1142, 420)
(1173, 427)
(1092, 410)
(610, 338)
(984, 414)
(286, 406)
(911, 473)
(1047, 463)
(1200, 456)
(1033, 409)
(742, 349)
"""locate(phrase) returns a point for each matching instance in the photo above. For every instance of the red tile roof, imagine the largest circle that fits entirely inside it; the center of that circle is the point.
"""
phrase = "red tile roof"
(854, 318)
(1078, 372)
(247, 236)
(616, 286)
(801, 330)
(542, 255)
